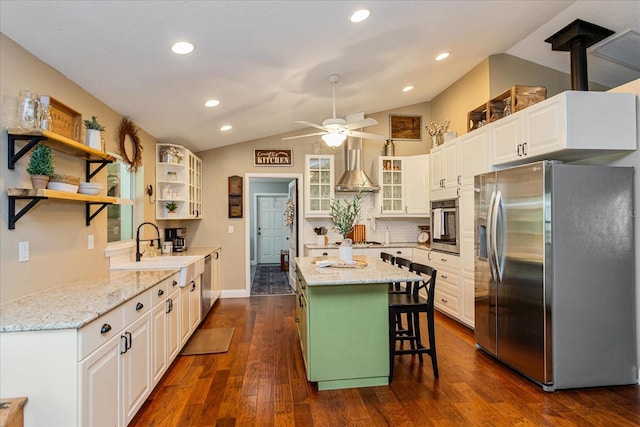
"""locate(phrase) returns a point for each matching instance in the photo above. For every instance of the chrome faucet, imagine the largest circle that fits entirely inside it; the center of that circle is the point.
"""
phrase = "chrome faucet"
(138, 253)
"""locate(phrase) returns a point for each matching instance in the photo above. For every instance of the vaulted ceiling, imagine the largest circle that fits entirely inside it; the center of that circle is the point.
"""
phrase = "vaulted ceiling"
(267, 62)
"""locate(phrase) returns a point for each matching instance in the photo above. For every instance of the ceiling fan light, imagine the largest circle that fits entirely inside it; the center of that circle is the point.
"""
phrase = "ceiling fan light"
(182, 48)
(334, 139)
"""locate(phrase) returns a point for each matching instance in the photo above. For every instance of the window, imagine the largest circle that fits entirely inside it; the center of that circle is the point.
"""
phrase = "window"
(125, 185)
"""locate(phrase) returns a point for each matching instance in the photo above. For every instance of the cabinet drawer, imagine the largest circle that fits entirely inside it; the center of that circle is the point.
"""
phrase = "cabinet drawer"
(401, 252)
(161, 291)
(98, 332)
(447, 303)
(422, 256)
(446, 278)
(441, 259)
(322, 252)
(137, 307)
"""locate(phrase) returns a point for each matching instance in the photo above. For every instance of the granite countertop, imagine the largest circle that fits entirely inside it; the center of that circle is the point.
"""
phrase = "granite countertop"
(365, 246)
(75, 304)
(376, 271)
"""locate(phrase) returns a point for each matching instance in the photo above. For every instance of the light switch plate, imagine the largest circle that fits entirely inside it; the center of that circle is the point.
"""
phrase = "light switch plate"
(23, 251)
(231, 229)
(90, 241)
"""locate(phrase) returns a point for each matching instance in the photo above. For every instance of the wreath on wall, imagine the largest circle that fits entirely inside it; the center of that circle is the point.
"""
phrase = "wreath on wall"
(128, 128)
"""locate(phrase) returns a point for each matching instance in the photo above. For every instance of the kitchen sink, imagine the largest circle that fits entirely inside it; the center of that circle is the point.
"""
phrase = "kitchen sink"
(190, 266)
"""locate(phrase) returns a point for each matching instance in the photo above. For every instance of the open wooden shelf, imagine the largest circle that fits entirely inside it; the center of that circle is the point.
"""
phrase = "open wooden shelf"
(58, 143)
(36, 195)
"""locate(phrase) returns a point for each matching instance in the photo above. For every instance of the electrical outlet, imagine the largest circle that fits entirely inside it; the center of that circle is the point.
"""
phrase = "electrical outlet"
(90, 241)
(231, 229)
(23, 251)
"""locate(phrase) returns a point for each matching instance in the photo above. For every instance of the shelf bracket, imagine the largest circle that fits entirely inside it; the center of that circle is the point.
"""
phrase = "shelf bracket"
(90, 216)
(12, 156)
(13, 216)
(101, 164)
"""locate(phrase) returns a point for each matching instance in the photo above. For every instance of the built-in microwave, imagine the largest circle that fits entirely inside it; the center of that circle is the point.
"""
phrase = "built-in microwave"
(445, 230)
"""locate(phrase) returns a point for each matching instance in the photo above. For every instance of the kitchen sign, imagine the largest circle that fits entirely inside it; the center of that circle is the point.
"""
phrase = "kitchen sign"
(273, 157)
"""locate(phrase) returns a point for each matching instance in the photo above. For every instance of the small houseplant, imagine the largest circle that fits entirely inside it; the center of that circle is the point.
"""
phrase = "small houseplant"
(94, 139)
(171, 208)
(41, 165)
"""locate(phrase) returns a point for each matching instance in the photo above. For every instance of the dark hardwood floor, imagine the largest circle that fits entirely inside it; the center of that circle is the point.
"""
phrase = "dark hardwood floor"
(261, 381)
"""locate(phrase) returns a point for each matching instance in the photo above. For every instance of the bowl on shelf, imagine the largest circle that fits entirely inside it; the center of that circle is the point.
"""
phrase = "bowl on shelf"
(62, 186)
(90, 188)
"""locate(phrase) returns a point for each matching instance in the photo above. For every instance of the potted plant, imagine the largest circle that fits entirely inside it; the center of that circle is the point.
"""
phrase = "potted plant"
(171, 208)
(41, 165)
(344, 215)
(94, 139)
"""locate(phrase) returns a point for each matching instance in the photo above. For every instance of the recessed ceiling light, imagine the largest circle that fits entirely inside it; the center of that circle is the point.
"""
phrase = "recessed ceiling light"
(182, 48)
(360, 15)
(442, 56)
(407, 88)
(226, 128)
(212, 103)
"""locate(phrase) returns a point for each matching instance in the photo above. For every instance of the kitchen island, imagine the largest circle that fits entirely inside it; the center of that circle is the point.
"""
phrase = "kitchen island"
(343, 321)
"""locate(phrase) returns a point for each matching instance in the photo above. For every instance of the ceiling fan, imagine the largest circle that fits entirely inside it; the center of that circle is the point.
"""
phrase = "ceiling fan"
(336, 130)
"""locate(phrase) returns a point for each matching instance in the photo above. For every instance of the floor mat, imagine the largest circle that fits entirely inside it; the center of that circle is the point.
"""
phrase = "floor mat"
(269, 280)
(205, 341)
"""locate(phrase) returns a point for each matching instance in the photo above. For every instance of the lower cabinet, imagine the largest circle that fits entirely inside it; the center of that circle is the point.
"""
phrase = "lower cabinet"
(102, 373)
(190, 309)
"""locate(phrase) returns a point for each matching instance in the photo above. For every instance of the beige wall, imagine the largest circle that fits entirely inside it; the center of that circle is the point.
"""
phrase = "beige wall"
(55, 230)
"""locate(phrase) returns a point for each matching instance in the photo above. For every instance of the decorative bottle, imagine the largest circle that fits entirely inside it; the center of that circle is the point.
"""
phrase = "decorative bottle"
(46, 122)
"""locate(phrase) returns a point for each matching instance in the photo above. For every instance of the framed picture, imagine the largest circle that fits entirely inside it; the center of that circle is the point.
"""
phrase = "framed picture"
(405, 128)
(235, 196)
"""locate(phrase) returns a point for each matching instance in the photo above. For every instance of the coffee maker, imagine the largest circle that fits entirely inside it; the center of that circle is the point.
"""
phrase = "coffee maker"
(178, 236)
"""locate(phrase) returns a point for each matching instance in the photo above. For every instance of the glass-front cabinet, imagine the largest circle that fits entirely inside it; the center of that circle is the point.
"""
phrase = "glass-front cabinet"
(319, 184)
(391, 194)
(178, 183)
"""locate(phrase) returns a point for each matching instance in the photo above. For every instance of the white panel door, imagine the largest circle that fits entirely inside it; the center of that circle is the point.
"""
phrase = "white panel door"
(272, 233)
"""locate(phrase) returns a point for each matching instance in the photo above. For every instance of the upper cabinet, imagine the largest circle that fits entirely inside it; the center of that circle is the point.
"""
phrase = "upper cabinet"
(404, 186)
(178, 182)
(456, 162)
(570, 126)
(319, 173)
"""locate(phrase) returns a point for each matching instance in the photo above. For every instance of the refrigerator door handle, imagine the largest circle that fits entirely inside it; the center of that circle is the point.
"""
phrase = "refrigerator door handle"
(491, 237)
(498, 213)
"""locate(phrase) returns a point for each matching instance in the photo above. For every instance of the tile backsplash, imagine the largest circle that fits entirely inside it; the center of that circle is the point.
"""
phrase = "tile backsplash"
(400, 229)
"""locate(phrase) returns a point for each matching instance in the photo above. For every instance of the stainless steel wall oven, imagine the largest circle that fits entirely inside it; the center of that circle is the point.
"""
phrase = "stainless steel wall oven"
(445, 230)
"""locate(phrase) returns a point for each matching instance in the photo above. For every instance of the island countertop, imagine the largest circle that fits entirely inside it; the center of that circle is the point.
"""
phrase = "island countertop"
(376, 271)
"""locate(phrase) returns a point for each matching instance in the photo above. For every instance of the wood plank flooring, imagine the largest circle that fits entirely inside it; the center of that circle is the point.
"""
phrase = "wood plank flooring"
(261, 381)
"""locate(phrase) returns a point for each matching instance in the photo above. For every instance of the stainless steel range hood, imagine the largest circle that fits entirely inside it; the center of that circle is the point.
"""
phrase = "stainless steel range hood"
(354, 178)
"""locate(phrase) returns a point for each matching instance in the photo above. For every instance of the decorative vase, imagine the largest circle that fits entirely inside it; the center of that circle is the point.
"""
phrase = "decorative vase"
(94, 139)
(171, 214)
(436, 140)
(39, 181)
(345, 252)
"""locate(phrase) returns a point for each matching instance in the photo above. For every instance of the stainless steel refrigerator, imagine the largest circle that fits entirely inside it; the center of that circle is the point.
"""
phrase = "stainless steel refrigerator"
(554, 273)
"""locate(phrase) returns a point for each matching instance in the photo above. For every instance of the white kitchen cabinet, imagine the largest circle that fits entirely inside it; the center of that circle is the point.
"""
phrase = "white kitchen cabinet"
(319, 173)
(216, 274)
(404, 186)
(445, 170)
(165, 326)
(100, 376)
(467, 254)
(572, 125)
(447, 294)
(190, 309)
(178, 180)
(474, 154)
(173, 324)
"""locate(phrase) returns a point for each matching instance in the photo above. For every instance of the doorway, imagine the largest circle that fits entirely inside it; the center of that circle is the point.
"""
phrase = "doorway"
(267, 197)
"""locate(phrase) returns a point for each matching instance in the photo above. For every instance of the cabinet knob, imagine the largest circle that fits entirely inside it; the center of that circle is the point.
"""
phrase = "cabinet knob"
(444, 300)
(105, 328)
(174, 283)
(160, 292)
(139, 306)
(193, 285)
(443, 276)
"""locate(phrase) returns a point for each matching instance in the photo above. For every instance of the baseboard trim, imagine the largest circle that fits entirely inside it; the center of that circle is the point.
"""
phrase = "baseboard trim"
(235, 293)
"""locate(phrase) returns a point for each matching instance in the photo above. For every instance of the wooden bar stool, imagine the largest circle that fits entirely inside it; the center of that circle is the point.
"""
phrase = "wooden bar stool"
(412, 304)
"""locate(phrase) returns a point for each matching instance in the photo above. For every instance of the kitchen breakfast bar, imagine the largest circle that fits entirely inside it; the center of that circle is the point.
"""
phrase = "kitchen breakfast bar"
(343, 321)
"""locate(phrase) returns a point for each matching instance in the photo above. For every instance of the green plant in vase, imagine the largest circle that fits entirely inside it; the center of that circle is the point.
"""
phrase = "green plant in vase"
(344, 214)
(94, 139)
(40, 166)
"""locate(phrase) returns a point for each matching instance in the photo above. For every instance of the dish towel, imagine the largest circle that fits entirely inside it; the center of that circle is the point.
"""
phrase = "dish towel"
(437, 223)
